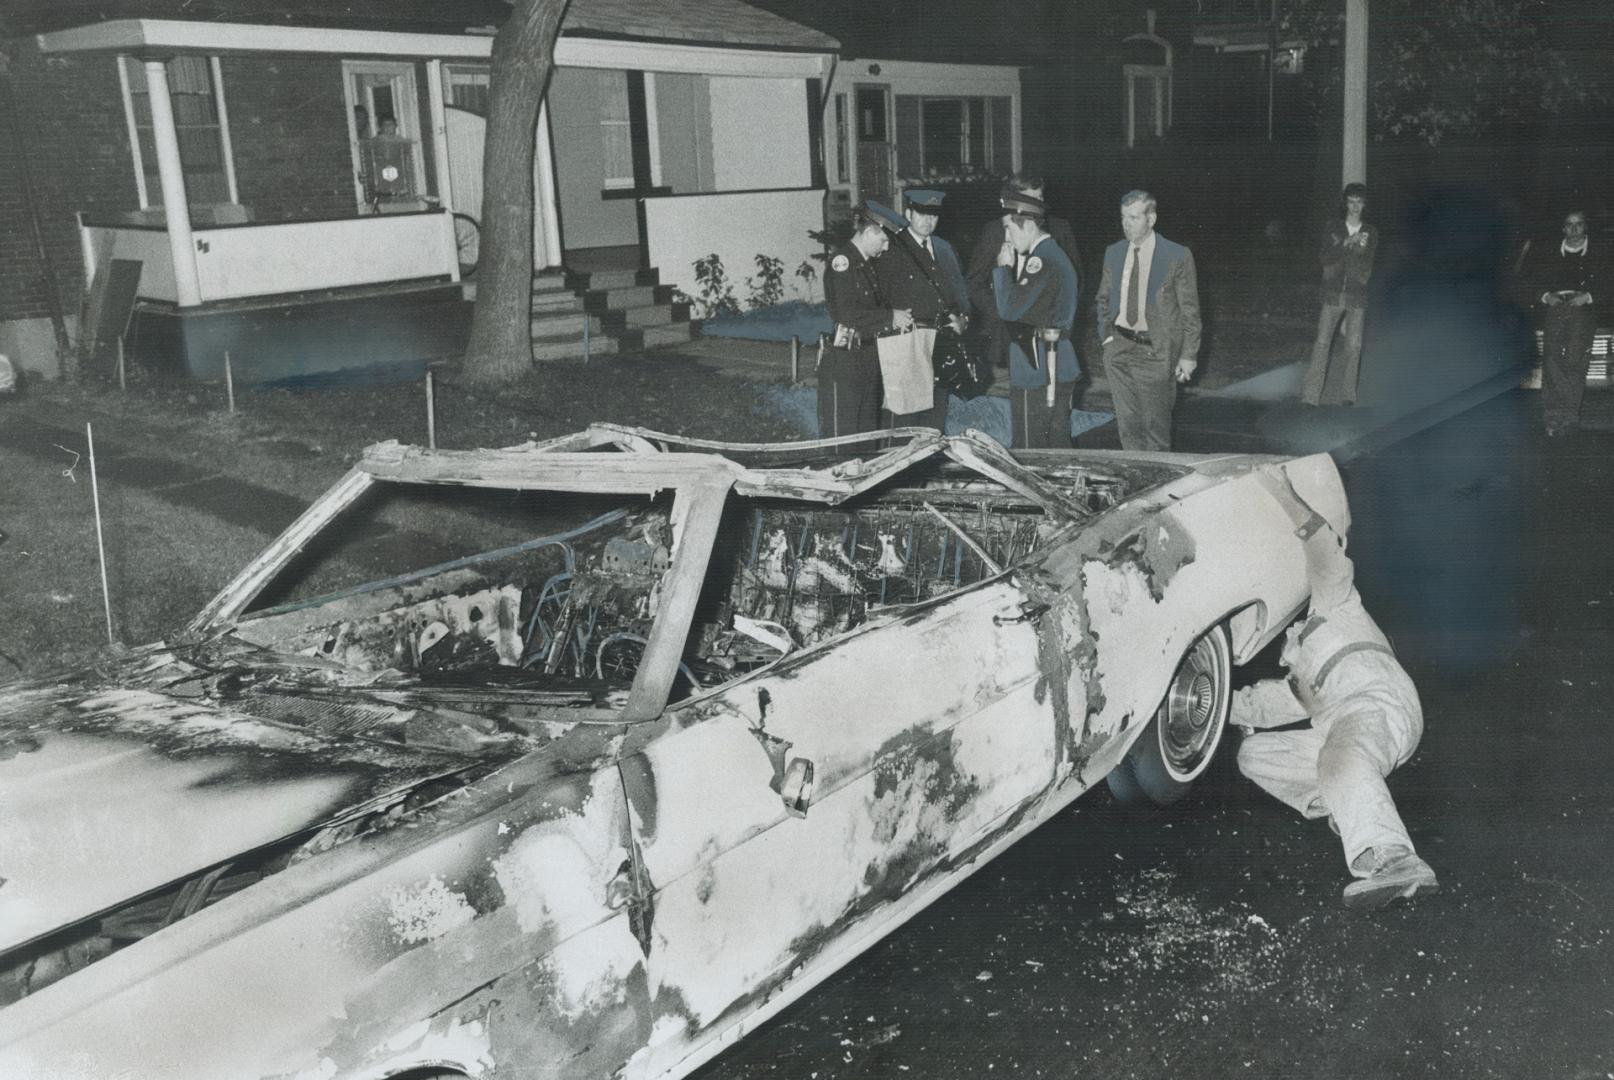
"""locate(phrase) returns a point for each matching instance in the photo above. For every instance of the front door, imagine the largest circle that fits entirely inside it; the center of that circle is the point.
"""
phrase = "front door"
(876, 153)
(389, 169)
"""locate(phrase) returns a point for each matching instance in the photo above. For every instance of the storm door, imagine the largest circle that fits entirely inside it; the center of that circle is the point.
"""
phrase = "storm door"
(389, 168)
(794, 815)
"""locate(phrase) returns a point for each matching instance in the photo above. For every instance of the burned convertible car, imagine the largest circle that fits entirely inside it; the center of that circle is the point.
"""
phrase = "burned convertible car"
(600, 802)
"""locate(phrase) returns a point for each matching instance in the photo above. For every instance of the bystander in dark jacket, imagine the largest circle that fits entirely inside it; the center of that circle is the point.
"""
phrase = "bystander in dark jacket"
(1347, 251)
(1568, 283)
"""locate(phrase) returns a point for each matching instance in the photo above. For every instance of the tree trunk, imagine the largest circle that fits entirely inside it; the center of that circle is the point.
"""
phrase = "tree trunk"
(523, 55)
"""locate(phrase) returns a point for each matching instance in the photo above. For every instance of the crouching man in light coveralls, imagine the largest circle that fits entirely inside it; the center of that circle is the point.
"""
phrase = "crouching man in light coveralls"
(1365, 721)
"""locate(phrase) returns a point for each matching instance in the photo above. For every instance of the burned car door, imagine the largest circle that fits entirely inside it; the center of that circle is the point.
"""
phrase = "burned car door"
(797, 812)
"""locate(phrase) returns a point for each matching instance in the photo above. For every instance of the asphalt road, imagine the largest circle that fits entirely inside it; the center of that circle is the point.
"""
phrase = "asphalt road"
(1209, 940)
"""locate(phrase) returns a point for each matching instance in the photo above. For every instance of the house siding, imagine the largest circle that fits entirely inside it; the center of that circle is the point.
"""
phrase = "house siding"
(71, 129)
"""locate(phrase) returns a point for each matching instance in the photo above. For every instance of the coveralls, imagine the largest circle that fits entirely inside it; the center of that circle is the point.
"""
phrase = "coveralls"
(1365, 718)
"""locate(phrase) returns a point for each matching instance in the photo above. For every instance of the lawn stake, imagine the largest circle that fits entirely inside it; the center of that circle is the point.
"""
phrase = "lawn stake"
(100, 543)
(431, 413)
(795, 359)
(229, 383)
(122, 385)
(585, 337)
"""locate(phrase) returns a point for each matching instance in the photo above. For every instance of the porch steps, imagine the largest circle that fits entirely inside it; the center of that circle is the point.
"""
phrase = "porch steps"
(619, 311)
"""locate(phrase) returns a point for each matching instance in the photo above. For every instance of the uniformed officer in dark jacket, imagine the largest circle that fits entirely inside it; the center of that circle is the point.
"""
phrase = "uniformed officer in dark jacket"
(1039, 306)
(921, 274)
(991, 330)
(849, 374)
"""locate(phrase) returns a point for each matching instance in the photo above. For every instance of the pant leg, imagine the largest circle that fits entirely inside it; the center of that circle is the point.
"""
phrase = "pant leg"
(1036, 424)
(1159, 387)
(1311, 390)
(1284, 765)
(1568, 336)
(830, 377)
(1143, 393)
(1360, 750)
(862, 393)
(1351, 362)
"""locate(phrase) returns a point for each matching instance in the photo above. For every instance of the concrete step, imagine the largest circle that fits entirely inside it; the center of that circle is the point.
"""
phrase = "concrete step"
(571, 347)
(636, 339)
(627, 297)
(622, 318)
(612, 279)
(554, 302)
(564, 324)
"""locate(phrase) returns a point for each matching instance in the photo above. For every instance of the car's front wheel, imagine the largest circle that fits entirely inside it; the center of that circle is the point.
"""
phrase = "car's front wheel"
(1162, 764)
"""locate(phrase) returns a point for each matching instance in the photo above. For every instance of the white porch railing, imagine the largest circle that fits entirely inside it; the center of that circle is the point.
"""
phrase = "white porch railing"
(236, 262)
(737, 226)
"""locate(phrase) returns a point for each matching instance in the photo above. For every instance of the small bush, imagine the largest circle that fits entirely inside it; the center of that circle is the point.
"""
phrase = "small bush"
(768, 286)
(716, 291)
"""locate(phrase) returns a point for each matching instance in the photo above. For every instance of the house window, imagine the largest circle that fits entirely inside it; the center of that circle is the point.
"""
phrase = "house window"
(467, 87)
(202, 137)
(616, 135)
(951, 136)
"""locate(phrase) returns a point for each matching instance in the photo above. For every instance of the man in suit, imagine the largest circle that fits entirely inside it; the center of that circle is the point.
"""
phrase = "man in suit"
(921, 274)
(1035, 290)
(1148, 320)
(1566, 281)
(984, 258)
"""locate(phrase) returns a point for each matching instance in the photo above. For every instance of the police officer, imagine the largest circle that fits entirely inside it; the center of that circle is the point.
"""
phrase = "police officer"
(849, 374)
(1039, 305)
(922, 274)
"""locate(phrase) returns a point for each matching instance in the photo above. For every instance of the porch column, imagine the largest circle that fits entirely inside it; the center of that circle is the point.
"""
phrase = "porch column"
(439, 126)
(546, 212)
(171, 172)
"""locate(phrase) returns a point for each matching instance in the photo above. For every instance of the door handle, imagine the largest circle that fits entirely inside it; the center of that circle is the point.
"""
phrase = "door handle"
(797, 787)
(1030, 610)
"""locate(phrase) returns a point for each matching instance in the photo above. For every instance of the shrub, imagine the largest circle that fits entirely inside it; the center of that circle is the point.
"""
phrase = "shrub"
(716, 291)
(768, 286)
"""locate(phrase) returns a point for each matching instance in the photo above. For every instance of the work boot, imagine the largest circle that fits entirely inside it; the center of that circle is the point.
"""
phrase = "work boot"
(1402, 875)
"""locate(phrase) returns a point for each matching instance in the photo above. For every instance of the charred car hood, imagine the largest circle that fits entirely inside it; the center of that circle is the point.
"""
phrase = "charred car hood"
(110, 790)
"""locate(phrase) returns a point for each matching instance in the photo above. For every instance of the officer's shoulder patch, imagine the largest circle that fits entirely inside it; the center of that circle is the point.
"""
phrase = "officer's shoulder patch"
(840, 264)
(1033, 265)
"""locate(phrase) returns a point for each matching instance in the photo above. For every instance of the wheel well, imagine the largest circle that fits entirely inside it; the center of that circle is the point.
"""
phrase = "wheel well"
(1247, 629)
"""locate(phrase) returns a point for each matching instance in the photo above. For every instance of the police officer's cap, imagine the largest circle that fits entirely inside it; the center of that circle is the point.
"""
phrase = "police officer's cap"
(1017, 202)
(925, 200)
(887, 216)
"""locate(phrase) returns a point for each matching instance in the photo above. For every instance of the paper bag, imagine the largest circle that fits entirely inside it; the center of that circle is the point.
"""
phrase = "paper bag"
(905, 370)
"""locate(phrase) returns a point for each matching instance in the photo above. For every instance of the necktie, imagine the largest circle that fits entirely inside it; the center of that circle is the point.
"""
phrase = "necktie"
(1133, 308)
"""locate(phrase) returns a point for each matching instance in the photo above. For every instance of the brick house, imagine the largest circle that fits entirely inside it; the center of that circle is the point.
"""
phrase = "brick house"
(287, 174)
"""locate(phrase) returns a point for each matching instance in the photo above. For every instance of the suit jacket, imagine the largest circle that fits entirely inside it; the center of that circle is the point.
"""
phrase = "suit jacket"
(904, 283)
(1170, 300)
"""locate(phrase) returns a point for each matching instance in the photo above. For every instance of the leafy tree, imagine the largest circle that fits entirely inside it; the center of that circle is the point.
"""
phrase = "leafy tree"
(1436, 70)
(523, 56)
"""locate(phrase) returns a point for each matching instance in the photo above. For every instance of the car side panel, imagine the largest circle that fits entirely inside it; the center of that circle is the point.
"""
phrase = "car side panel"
(929, 737)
